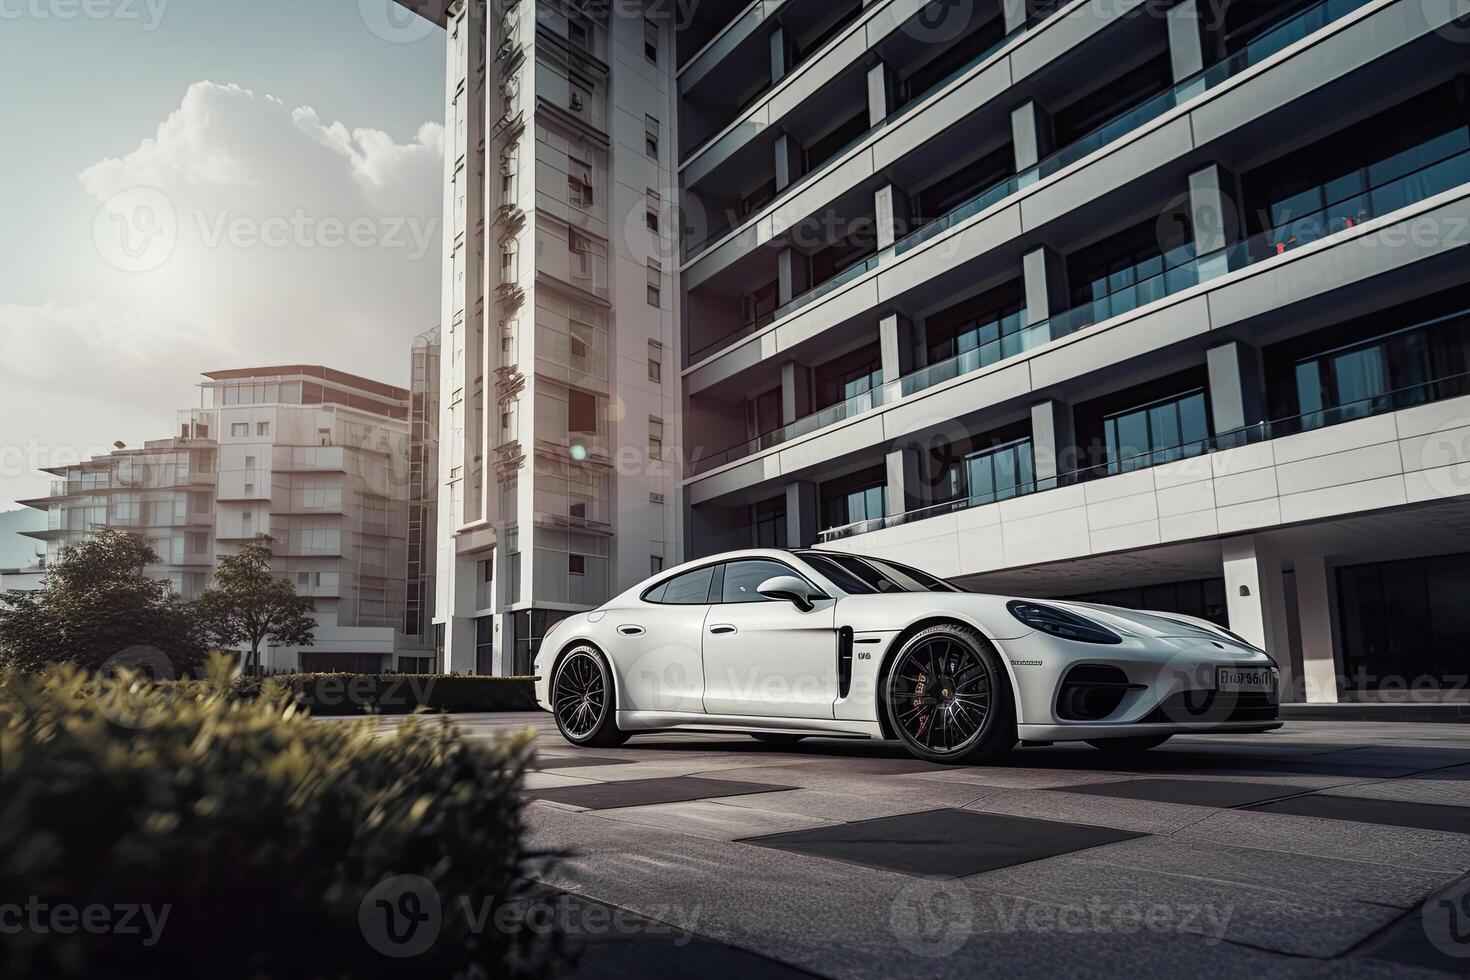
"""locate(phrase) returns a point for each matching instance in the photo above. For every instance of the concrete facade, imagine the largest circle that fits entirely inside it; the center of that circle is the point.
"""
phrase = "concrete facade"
(1042, 219)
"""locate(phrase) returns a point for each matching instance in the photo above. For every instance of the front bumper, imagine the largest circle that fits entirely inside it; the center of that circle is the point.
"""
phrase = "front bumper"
(1172, 686)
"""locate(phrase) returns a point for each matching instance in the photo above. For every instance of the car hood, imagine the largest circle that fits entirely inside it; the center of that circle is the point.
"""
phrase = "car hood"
(1145, 623)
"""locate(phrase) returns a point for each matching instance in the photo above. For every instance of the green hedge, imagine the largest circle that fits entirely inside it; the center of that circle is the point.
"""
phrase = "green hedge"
(264, 844)
(398, 694)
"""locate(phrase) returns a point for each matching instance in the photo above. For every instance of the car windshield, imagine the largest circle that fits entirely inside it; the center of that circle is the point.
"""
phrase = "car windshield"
(871, 576)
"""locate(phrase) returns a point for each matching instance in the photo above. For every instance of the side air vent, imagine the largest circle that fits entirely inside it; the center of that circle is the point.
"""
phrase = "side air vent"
(844, 661)
(1091, 692)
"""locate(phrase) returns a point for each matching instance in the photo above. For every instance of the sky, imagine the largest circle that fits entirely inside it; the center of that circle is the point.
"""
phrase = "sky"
(189, 185)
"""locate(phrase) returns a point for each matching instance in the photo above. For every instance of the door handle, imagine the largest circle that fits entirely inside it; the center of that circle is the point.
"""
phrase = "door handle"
(722, 628)
(631, 630)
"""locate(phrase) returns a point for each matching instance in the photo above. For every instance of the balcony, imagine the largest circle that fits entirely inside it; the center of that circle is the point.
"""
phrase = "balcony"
(831, 415)
(1272, 42)
(1416, 396)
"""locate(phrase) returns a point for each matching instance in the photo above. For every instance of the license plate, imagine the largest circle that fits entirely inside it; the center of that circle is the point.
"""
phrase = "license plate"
(1235, 680)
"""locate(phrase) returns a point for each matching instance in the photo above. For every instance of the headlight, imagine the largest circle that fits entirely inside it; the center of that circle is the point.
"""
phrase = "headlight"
(1060, 623)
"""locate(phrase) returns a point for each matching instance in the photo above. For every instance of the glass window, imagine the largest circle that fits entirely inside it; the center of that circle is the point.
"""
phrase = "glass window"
(689, 589)
(866, 576)
(743, 578)
(1166, 430)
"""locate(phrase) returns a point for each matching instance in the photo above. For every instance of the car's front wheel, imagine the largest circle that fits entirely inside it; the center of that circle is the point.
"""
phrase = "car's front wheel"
(948, 697)
(582, 699)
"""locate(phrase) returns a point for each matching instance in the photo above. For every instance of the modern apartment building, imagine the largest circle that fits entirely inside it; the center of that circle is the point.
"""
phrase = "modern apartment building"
(1165, 304)
(558, 377)
(316, 458)
(1157, 303)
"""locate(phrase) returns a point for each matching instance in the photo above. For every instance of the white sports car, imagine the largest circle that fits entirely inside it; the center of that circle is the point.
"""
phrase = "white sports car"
(783, 645)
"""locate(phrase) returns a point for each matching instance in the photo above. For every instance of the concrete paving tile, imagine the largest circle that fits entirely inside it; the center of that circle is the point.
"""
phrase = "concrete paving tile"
(879, 801)
(552, 780)
(1368, 843)
(1141, 816)
(1343, 878)
(706, 818)
(1005, 778)
(1446, 792)
(1300, 924)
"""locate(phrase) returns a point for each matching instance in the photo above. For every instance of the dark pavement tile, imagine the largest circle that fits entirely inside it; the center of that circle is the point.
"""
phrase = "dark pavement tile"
(1193, 792)
(1390, 813)
(943, 843)
(642, 792)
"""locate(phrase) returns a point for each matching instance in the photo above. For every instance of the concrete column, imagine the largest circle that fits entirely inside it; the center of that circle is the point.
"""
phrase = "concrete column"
(891, 206)
(459, 625)
(1186, 39)
(905, 480)
(1014, 12)
(788, 161)
(901, 341)
(1045, 280)
(796, 395)
(1255, 597)
(801, 515)
(1319, 645)
(879, 94)
(778, 54)
(1053, 441)
(792, 275)
(1214, 219)
(1030, 136)
(1237, 391)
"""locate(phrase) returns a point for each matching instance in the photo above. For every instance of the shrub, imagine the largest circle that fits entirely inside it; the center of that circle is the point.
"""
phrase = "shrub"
(266, 845)
(397, 694)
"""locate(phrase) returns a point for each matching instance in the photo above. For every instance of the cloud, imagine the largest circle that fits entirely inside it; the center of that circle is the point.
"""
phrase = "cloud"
(242, 232)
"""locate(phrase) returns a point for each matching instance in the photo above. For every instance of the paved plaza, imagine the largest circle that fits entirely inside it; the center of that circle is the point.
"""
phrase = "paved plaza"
(1306, 852)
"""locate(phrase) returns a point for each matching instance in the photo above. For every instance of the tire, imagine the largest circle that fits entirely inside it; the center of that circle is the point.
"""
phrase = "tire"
(972, 718)
(582, 700)
(1128, 746)
(779, 739)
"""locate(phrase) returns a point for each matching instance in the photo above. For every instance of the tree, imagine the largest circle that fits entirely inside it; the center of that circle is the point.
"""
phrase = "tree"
(96, 609)
(247, 604)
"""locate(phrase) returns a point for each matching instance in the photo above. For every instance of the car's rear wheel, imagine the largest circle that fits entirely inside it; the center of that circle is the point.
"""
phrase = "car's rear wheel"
(1128, 746)
(582, 699)
(780, 739)
(948, 697)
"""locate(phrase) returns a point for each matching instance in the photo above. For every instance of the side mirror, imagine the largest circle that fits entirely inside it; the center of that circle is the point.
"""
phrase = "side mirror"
(788, 588)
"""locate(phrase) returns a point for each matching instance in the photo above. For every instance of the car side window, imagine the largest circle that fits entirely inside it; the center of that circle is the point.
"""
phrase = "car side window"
(689, 589)
(743, 578)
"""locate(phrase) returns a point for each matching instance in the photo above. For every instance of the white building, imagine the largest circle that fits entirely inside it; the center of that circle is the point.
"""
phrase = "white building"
(1160, 303)
(316, 458)
(558, 371)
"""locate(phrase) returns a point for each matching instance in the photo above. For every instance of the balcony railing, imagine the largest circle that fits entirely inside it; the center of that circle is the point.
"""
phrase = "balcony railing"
(1176, 270)
(1441, 389)
(1270, 43)
(832, 414)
